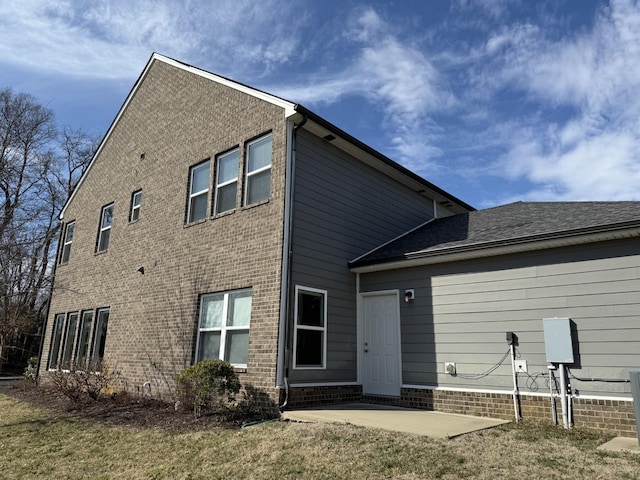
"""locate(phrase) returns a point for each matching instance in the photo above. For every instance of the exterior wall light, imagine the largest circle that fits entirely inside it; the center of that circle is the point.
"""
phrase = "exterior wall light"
(409, 296)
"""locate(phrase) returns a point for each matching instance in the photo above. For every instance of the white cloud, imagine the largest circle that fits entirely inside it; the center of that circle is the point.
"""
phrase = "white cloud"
(396, 78)
(492, 8)
(593, 153)
(112, 39)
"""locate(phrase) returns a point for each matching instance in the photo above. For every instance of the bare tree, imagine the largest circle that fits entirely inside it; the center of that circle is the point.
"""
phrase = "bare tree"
(38, 170)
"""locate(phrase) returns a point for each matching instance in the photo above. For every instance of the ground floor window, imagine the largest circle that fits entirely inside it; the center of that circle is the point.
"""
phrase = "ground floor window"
(100, 335)
(76, 338)
(310, 339)
(56, 340)
(83, 343)
(223, 327)
(70, 335)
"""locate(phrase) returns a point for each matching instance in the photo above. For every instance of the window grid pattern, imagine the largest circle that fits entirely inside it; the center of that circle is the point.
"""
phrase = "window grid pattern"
(198, 192)
(104, 233)
(136, 200)
(76, 338)
(258, 170)
(68, 239)
(226, 182)
(223, 327)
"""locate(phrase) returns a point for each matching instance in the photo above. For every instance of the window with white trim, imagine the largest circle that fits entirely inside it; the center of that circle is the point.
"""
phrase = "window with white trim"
(84, 339)
(69, 338)
(136, 199)
(258, 170)
(226, 181)
(310, 338)
(223, 327)
(198, 192)
(104, 232)
(100, 335)
(56, 340)
(66, 245)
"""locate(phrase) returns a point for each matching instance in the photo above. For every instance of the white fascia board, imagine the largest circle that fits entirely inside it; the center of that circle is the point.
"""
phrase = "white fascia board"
(288, 107)
(480, 251)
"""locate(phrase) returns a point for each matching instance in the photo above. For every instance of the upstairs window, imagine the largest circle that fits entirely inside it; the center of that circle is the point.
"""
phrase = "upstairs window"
(258, 171)
(66, 245)
(226, 182)
(198, 192)
(310, 340)
(136, 199)
(106, 218)
(223, 327)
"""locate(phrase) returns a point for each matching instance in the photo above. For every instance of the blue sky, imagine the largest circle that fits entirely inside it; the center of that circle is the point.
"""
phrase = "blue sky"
(492, 100)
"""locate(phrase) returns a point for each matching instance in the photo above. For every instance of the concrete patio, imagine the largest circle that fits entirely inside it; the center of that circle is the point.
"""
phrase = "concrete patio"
(407, 420)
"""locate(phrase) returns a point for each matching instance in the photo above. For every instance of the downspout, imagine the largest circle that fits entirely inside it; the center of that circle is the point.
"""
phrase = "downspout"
(564, 396)
(552, 381)
(516, 393)
(282, 368)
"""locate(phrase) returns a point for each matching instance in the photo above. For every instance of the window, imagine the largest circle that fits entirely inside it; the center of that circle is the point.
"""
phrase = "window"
(310, 341)
(56, 339)
(223, 327)
(100, 335)
(66, 245)
(226, 182)
(258, 171)
(106, 217)
(136, 198)
(84, 339)
(67, 349)
(198, 192)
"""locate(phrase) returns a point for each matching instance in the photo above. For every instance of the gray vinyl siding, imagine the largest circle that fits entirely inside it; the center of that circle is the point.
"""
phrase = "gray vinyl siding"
(342, 209)
(463, 310)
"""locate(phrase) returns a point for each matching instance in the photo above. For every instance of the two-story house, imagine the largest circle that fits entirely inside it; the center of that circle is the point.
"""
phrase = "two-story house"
(219, 221)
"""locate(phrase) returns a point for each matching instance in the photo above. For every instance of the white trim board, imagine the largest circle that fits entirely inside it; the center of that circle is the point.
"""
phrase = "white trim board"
(510, 392)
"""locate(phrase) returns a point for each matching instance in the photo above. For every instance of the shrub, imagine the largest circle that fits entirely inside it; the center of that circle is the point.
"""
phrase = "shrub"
(208, 386)
(78, 384)
(31, 371)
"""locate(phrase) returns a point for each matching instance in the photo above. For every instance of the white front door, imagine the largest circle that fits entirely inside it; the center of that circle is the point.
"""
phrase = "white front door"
(381, 344)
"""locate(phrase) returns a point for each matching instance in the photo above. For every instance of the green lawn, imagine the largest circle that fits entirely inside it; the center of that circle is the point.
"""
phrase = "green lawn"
(36, 443)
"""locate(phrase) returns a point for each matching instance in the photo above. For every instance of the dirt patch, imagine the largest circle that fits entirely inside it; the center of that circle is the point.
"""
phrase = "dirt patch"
(123, 410)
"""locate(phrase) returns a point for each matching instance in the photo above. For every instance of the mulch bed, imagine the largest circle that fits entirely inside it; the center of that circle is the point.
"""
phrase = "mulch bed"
(124, 410)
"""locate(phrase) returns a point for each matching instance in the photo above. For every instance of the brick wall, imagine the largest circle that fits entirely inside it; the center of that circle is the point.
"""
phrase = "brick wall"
(177, 120)
(301, 397)
(610, 416)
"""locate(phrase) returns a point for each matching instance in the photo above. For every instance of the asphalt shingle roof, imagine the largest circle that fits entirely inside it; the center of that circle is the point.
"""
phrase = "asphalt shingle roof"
(514, 222)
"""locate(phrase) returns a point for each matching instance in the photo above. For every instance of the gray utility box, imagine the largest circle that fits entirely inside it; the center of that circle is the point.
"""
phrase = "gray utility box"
(557, 340)
(635, 391)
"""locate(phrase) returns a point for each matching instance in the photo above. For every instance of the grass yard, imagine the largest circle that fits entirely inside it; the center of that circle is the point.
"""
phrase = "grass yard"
(39, 443)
